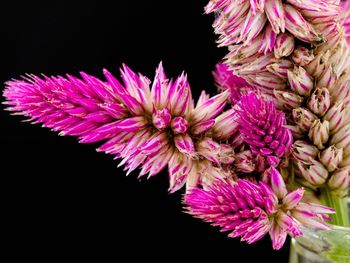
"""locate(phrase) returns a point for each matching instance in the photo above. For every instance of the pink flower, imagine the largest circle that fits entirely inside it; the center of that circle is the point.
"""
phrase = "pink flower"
(251, 210)
(226, 80)
(151, 127)
(263, 127)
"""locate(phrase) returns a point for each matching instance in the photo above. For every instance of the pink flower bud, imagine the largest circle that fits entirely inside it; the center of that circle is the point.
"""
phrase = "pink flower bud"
(292, 199)
(179, 125)
(320, 101)
(328, 78)
(341, 139)
(303, 151)
(244, 162)
(315, 173)
(303, 118)
(280, 68)
(299, 27)
(331, 158)
(275, 14)
(209, 149)
(300, 81)
(284, 45)
(184, 144)
(319, 133)
(337, 116)
(340, 179)
(287, 99)
(302, 56)
(161, 118)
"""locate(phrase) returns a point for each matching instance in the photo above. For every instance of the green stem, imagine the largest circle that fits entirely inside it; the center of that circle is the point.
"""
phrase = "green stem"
(341, 216)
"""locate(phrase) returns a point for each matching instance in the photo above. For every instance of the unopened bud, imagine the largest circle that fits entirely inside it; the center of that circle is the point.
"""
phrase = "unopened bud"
(161, 118)
(303, 118)
(303, 151)
(320, 101)
(331, 158)
(288, 100)
(300, 81)
(284, 45)
(319, 133)
(315, 173)
(244, 162)
(340, 179)
(302, 56)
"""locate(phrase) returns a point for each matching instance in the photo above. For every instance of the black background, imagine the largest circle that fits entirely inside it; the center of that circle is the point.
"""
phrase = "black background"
(64, 200)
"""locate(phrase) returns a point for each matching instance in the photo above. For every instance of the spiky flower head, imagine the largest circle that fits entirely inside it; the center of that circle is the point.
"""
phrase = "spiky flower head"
(250, 210)
(263, 127)
(147, 125)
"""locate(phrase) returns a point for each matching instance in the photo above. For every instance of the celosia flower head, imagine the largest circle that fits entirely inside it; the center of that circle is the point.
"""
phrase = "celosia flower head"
(151, 125)
(263, 127)
(250, 210)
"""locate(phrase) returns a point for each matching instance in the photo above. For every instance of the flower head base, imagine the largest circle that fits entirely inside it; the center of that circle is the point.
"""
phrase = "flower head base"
(251, 210)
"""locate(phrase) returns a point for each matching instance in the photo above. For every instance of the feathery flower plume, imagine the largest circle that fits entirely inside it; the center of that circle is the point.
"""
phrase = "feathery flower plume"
(147, 127)
(250, 210)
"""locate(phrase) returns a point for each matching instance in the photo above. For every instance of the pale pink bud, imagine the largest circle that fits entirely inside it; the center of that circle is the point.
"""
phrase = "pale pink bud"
(299, 27)
(319, 133)
(292, 199)
(300, 81)
(303, 151)
(275, 14)
(202, 127)
(304, 118)
(277, 183)
(210, 108)
(341, 90)
(161, 118)
(315, 173)
(244, 162)
(284, 45)
(280, 68)
(179, 125)
(226, 154)
(252, 26)
(319, 101)
(331, 158)
(302, 56)
(341, 139)
(317, 66)
(338, 116)
(340, 179)
(327, 79)
(287, 99)
(209, 149)
(184, 144)
(268, 40)
(225, 125)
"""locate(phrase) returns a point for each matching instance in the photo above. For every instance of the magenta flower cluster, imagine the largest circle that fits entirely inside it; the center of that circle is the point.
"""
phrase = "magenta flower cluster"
(278, 127)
